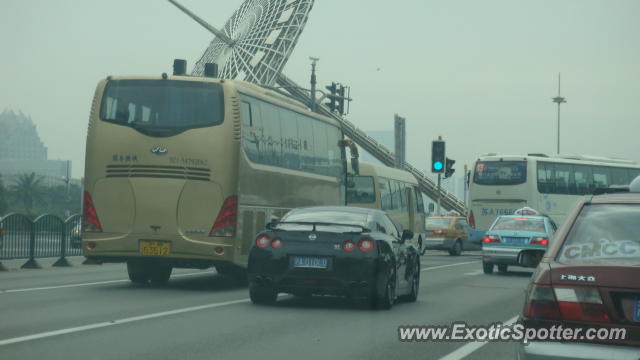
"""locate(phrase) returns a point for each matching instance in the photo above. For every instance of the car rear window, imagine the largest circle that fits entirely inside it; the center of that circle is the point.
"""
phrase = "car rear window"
(519, 223)
(442, 223)
(603, 231)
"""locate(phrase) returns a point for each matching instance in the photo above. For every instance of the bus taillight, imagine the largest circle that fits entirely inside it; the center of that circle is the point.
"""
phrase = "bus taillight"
(90, 221)
(225, 224)
(472, 220)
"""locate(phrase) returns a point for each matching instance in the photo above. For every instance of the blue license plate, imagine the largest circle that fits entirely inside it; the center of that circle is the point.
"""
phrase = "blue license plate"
(515, 240)
(310, 262)
(636, 310)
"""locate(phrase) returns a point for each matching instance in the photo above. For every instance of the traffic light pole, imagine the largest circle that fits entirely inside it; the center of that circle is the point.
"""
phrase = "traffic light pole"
(439, 194)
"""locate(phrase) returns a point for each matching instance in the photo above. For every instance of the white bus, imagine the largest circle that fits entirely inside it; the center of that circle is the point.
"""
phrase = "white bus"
(392, 190)
(184, 171)
(501, 184)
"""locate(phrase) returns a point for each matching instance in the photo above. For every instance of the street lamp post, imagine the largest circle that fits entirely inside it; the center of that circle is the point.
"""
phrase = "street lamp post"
(559, 100)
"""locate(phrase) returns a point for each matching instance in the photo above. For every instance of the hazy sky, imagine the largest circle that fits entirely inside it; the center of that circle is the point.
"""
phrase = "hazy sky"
(479, 73)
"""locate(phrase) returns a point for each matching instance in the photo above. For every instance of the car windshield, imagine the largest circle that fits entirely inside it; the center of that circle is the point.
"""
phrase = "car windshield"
(603, 232)
(438, 222)
(519, 224)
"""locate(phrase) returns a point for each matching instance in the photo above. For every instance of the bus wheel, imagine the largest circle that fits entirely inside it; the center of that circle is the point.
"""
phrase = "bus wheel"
(487, 267)
(263, 296)
(503, 268)
(138, 272)
(160, 274)
(456, 249)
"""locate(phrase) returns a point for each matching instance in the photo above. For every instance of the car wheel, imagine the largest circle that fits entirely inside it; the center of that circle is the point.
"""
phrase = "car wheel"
(387, 298)
(263, 296)
(138, 272)
(456, 249)
(503, 268)
(160, 274)
(415, 284)
(487, 267)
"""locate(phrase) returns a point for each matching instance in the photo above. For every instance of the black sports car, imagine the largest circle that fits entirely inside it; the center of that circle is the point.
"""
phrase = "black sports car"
(344, 251)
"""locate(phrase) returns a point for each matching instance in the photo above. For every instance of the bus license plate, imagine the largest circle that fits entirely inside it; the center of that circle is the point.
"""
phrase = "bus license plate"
(155, 248)
(636, 310)
(310, 262)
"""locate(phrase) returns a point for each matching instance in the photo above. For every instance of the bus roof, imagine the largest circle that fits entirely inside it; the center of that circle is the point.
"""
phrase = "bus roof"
(567, 159)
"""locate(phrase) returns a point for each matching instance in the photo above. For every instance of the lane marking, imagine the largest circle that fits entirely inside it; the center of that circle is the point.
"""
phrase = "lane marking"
(91, 283)
(118, 322)
(472, 346)
(448, 265)
(477, 272)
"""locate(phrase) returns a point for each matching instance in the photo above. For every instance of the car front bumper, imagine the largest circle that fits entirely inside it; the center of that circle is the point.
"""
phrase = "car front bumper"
(574, 351)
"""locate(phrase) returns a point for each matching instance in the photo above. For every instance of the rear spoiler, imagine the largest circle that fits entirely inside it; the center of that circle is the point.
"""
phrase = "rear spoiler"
(272, 225)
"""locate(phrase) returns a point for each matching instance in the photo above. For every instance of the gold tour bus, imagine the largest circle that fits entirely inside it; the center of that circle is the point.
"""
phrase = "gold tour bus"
(183, 171)
(392, 190)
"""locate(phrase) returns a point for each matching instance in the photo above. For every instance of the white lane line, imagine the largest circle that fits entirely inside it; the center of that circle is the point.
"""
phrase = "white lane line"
(90, 284)
(448, 265)
(477, 272)
(118, 322)
(472, 346)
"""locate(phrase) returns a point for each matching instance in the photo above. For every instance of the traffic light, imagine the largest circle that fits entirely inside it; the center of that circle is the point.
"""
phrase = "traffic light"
(437, 156)
(341, 100)
(449, 170)
(332, 97)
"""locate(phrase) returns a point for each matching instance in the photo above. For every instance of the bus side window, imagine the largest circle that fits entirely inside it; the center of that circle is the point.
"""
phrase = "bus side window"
(419, 202)
(601, 177)
(385, 194)
(546, 183)
(619, 176)
(582, 178)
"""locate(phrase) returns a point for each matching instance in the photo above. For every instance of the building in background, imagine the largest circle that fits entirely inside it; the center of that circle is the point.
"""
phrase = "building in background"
(22, 151)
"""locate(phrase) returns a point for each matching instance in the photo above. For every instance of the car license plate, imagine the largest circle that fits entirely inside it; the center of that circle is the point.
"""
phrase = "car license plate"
(155, 248)
(515, 240)
(636, 310)
(310, 262)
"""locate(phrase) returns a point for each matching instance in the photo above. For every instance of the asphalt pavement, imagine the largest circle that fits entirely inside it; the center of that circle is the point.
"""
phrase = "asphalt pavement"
(93, 311)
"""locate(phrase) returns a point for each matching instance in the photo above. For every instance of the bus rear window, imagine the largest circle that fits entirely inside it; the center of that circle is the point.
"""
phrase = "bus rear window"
(157, 105)
(360, 190)
(500, 172)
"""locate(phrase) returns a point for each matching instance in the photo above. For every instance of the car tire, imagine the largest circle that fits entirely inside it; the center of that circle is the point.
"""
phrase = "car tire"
(487, 267)
(263, 296)
(503, 268)
(415, 284)
(385, 300)
(138, 272)
(456, 250)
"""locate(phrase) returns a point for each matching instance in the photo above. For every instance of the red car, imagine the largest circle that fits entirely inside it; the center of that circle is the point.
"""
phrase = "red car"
(589, 282)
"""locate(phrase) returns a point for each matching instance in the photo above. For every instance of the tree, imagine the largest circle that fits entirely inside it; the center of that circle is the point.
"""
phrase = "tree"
(29, 190)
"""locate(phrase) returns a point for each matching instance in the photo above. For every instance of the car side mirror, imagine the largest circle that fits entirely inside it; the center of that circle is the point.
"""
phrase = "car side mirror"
(272, 224)
(406, 235)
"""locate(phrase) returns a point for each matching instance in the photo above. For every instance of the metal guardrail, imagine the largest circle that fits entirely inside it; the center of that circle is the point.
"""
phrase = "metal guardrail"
(379, 151)
(46, 236)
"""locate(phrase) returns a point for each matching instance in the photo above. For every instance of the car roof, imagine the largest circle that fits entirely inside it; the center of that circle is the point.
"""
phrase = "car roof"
(620, 197)
(539, 216)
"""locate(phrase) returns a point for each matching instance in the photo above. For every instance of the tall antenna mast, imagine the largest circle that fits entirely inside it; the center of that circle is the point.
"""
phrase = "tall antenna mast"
(559, 100)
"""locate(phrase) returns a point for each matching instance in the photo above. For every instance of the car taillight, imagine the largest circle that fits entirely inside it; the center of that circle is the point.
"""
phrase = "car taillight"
(491, 239)
(348, 246)
(90, 221)
(225, 224)
(365, 244)
(541, 303)
(581, 304)
(540, 241)
(263, 241)
(576, 304)
(277, 243)
(472, 220)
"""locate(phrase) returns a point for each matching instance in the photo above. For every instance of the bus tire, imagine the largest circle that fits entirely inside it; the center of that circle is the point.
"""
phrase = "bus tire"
(456, 249)
(503, 268)
(263, 296)
(487, 267)
(160, 274)
(138, 272)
